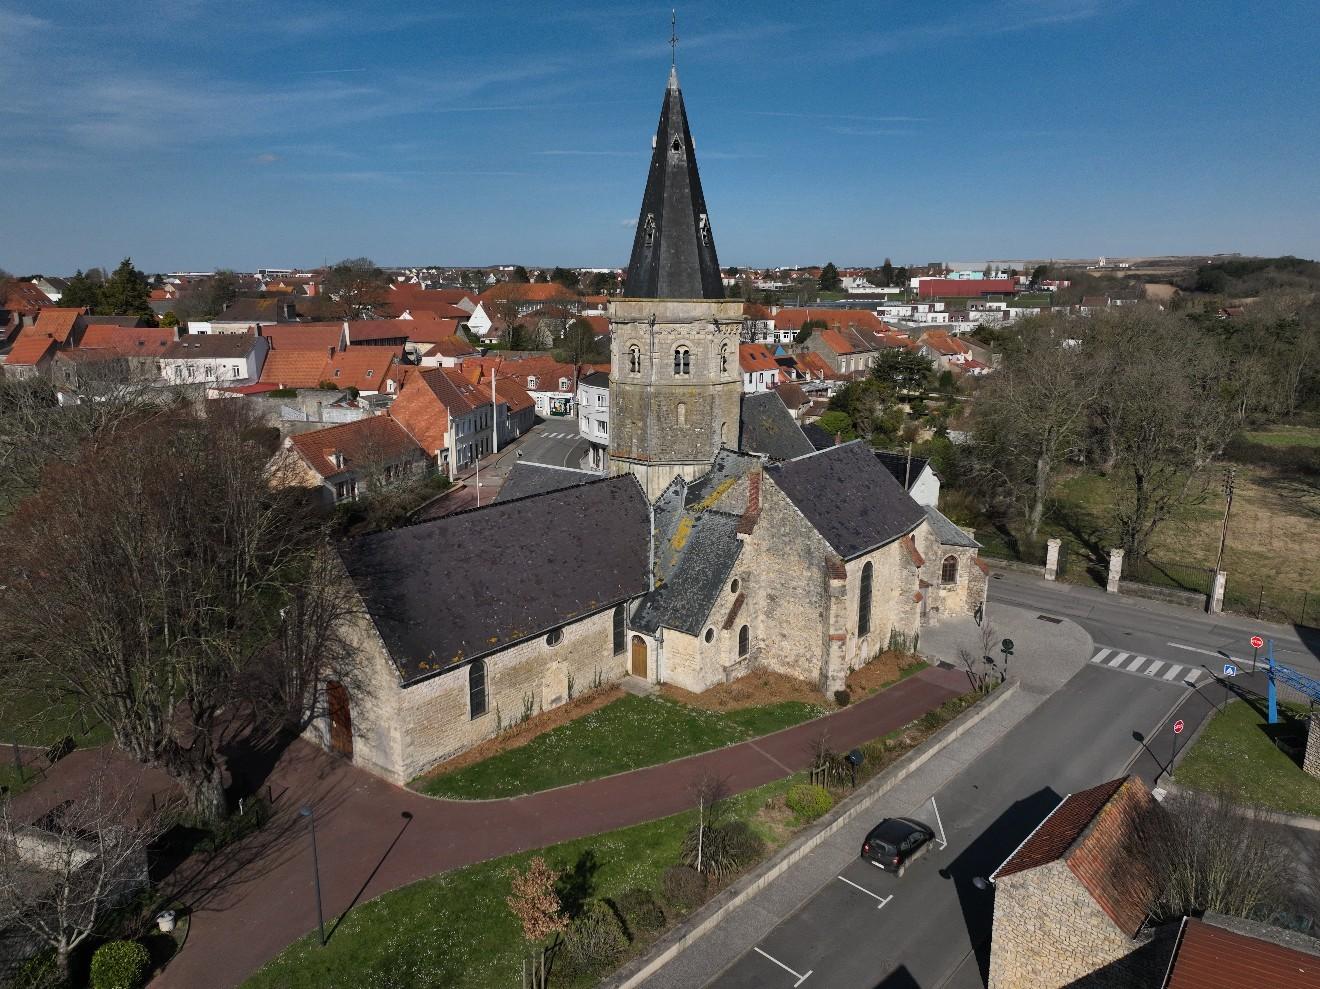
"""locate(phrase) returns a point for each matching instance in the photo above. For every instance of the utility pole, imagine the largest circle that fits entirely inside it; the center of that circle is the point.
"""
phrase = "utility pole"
(1229, 482)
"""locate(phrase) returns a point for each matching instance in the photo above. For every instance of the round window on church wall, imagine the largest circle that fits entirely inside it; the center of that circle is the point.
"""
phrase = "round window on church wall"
(555, 637)
(733, 588)
(710, 635)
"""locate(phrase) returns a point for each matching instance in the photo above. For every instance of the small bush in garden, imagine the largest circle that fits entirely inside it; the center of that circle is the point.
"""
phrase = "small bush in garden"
(842, 697)
(808, 801)
(120, 965)
(743, 842)
(684, 886)
(640, 910)
(932, 719)
(594, 941)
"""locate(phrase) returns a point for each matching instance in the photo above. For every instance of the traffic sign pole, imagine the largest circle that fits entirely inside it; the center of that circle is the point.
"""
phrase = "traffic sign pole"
(1256, 643)
(1177, 731)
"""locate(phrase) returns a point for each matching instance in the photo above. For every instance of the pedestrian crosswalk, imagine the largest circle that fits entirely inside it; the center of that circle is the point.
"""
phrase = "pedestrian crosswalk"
(1157, 669)
(559, 436)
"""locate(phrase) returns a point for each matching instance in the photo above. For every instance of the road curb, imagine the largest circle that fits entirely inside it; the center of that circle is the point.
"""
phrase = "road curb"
(708, 917)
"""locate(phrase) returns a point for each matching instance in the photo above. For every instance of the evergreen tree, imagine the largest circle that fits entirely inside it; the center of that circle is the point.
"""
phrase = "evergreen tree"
(81, 292)
(126, 293)
(829, 278)
(887, 273)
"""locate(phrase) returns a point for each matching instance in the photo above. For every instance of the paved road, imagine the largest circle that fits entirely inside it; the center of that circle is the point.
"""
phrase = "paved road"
(1156, 630)
(865, 928)
(555, 442)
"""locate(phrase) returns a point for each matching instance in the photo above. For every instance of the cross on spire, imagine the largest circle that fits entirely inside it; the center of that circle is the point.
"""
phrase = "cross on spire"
(673, 37)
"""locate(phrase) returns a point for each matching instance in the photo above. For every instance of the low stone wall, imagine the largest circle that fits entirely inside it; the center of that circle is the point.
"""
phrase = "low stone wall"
(1169, 595)
(1311, 762)
(1013, 566)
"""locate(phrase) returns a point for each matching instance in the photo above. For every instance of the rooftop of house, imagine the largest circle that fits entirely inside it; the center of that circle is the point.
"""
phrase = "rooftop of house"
(58, 323)
(362, 444)
(769, 429)
(452, 590)
(30, 349)
(294, 368)
(529, 292)
(596, 379)
(1218, 952)
(210, 347)
(905, 469)
(1098, 834)
(320, 337)
(365, 330)
(755, 357)
(792, 395)
(273, 309)
(25, 297)
(848, 497)
(363, 368)
(128, 340)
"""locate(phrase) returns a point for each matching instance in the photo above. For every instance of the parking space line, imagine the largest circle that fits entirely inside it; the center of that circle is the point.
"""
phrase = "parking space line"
(883, 899)
(1101, 655)
(800, 978)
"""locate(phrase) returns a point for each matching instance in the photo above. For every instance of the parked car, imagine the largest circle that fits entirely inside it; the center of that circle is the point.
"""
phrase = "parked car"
(895, 842)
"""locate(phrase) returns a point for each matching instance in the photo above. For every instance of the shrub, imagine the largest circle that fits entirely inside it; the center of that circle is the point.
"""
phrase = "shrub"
(120, 965)
(842, 697)
(640, 911)
(724, 848)
(684, 887)
(743, 842)
(808, 801)
(594, 941)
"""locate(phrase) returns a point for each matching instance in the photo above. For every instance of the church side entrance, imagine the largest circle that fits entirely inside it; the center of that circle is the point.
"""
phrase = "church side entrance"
(639, 657)
(341, 722)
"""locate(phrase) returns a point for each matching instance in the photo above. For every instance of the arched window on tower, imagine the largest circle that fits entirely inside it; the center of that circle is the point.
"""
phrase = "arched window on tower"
(634, 359)
(724, 359)
(864, 601)
(949, 570)
(682, 361)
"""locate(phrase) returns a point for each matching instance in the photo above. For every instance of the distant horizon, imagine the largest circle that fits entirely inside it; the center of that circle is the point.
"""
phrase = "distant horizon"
(192, 139)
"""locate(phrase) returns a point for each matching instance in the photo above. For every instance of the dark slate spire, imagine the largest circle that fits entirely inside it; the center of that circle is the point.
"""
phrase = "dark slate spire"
(673, 255)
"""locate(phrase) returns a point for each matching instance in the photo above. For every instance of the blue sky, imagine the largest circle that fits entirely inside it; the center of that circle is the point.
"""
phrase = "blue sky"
(193, 134)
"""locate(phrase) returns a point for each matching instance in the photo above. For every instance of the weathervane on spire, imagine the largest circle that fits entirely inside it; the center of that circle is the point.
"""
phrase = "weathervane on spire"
(673, 37)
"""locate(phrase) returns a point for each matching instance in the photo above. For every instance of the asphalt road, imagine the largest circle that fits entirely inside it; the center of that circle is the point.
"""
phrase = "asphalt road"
(866, 928)
(555, 442)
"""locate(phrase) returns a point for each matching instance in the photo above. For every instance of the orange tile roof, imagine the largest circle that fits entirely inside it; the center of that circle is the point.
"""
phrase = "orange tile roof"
(363, 368)
(319, 337)
(843, 342)
(293, 368)
(940, 341)
(434, 330)
(26, 298)
(30, 348)
(453, 346)
(1208, 956)
(362, 330)
(57, 323)
(509, 391)
(755, 357)
(814, 365)
(523, 292)
(361, 443)
(128, 339)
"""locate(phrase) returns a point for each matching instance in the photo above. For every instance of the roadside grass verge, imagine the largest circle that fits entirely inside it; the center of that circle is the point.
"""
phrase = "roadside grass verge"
(29, 719)
(628, 733)
(1238, 751)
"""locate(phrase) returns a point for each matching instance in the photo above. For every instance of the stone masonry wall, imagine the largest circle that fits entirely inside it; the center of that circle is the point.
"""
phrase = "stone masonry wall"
(1311, 762)
(959, 598)
(1049, 933)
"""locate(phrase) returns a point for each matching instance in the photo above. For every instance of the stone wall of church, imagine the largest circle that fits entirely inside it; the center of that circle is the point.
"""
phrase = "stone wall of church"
(959, 598)
(697, 663)
(894, 609)
(400, 732)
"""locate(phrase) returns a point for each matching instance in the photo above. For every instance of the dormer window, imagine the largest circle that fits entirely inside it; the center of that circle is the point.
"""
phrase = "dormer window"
(703, 228)
(676, 147)
(370, 372)
(337, 372)
(650, 229)
(337, 459)
(531, 382)
(563, 384)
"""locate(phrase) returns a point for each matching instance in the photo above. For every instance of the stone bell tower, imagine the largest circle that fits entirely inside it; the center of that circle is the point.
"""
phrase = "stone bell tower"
(675, 382)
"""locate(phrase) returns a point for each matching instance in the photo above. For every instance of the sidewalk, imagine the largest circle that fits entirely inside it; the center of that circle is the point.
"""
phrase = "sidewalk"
(1045, 656)
(256, 898)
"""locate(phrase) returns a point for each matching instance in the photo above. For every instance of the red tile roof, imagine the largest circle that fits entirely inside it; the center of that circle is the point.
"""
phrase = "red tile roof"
(843, 342)
(364, 330)
(792, 395)
(451, 346)
(941, 342)
(1097, 834)
(320, 337)
(363, 368)
(834, 319)
(30, 349)
(600, 325)
(755, 357)
(293, 368)
(414, 297)
(529, 292)
(58, 324)
(128, 339)
(1208, 956)
(814, 365)
(26, 298)
(364, 442)
(517, 397)
(434, 330)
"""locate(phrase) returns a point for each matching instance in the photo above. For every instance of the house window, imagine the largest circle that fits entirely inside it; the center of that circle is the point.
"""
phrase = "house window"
(864, 602)
(744, 640)
(345, 490)
(563, 384)
(602, 427)
(237, 371)
(555, 637)
(531, 382)
(682, 361)
(600, 400)
(949, 571)
(477, 689)
(634, 359)
(620, 639)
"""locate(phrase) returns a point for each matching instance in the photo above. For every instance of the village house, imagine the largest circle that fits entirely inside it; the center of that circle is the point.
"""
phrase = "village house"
(222, 359)
(347, 461)
(842, 349)
(593, 402)
(759, 369)
(448, 415)
(53, 329)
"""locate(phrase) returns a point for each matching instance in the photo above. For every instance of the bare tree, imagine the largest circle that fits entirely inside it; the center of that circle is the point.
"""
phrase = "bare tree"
(146, 580)
(1213, 854)
(357, 288)
(58, 880)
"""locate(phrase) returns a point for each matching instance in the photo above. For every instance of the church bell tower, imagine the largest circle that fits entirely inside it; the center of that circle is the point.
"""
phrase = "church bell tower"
(675, 381)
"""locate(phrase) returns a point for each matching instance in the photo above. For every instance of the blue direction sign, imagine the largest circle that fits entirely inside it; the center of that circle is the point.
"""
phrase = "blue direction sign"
(1230, 670)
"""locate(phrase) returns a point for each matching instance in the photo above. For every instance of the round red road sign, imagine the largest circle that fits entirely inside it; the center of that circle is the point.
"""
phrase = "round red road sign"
(1178, 726)
(1257, 642)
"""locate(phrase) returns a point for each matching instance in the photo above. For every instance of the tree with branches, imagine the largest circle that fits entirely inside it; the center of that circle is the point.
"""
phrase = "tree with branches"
(59, 879)
(357, 289)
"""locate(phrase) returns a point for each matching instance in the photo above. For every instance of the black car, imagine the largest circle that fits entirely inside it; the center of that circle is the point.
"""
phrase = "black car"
(894, 842)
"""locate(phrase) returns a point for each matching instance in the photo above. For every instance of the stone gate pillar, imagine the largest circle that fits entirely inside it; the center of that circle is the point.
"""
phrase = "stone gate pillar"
(1311, 761)
(1052, 558)
(1217, 592)
(1115, 570)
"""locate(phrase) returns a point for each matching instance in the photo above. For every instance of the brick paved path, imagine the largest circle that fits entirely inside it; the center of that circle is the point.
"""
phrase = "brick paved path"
(257, 897)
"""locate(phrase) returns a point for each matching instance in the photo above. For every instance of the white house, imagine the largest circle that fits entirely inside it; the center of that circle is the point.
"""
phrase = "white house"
(760, 370)
(593, 398)
(226, 359)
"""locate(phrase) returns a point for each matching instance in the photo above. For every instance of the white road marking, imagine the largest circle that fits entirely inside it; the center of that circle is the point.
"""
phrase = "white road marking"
(1173, 671)
(800, 978)
(1204, 652)
(1118, 660)
(1101, 655)
(1154, 667)
(1192, 676)
(1136, 662)
(883, 899)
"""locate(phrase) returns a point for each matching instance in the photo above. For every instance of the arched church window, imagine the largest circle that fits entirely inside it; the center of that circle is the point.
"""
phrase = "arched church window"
(619, 635)
(864, 601)
(949, 570)
(744, 640)
(724, 359)
(635, 359)
(682, 361)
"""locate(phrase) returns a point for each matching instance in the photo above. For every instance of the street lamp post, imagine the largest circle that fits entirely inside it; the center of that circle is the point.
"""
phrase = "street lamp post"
(316, 870)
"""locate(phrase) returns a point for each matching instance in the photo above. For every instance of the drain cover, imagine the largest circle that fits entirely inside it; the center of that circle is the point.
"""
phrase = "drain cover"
(1051, 619)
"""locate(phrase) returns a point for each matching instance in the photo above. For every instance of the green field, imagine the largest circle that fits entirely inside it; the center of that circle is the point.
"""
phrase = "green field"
(1237, 750)
(28, 719)
(455, 930)
(628, 733)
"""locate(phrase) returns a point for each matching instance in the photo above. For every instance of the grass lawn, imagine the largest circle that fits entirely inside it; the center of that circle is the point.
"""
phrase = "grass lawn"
(1236, 749)
(629, 733)
(1287, 436)
(10, 779)
(455, 930)
(29, 720)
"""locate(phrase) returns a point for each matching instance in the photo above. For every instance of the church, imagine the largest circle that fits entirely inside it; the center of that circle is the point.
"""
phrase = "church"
(720, 542)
